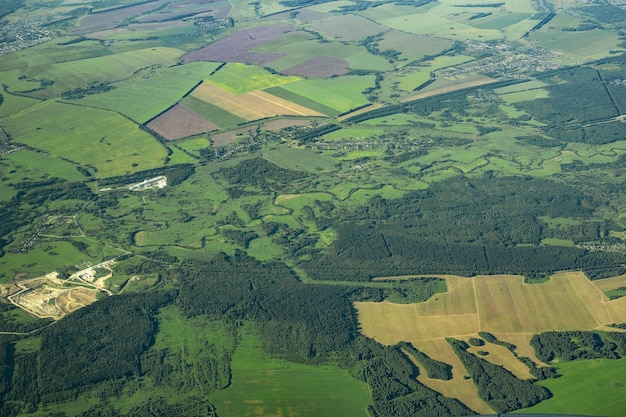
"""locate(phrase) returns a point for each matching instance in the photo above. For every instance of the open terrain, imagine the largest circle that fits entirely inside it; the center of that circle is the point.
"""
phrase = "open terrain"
(277, 180)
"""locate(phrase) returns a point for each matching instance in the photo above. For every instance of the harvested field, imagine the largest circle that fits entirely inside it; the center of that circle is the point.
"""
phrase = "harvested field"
(499, 355)
(138, 27)
(502, 305)
(609, 284)
(458, 387)
(180, 122)
(319, 67)
(235, 47)
(250, 106)
(498, 304)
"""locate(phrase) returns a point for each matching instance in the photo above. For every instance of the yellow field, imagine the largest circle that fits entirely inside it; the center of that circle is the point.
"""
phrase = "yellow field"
(459, 388)
(610, 283)
(252, 105)
(499, 355)
(502, 305)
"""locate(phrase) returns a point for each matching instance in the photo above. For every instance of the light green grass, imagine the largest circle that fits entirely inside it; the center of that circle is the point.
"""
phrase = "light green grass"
(241, 78)
(143, 98)
(300, 159)
(27, 345)
(301, 100)
(587, 387)
(39, 57)
(553, 241)
(37, 166)
(352, 133)
(106, 140)
(72, 74)
(339, 93)
(262, 385)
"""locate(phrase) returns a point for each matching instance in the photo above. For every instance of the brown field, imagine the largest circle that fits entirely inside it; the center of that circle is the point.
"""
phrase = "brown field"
(235, 47)
(319, 67)
(225, 138)
(180, 122)
(502, 305)
(474, 82)
(250, 106)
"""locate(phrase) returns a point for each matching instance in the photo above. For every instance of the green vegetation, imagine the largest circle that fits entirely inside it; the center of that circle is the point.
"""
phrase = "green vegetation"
(239, 78)
(446, 147)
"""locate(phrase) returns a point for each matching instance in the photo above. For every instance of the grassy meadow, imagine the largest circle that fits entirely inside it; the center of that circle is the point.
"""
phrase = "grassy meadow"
(266, 386)
(587, 387)
(109, 142)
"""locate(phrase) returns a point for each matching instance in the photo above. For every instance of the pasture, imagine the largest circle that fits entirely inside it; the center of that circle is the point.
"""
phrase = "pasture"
(116, 67)
(300, 159)
(265, 386)
(340, 93)
(586, 387)
(240, 78)
(106, 140)
(143, 98)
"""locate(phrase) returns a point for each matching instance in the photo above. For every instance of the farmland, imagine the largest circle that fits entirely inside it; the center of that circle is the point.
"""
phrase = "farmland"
(366, 208)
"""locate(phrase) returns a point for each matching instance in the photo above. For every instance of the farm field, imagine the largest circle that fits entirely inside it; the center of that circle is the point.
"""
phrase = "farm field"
(262, 385)
(317, 157)
(116, 67)
(587, 387)
(143, 98)
(498, 304)
(250, 106)
(122, 148)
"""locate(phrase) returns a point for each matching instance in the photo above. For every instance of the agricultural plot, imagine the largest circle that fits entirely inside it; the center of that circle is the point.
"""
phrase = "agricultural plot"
(413, 46)
(586, 387)
(347, 27)
(495, 304)
(250, 106)
(143, 98)
(341, 93)
(235, 47)
(240, 78)
(116, 67)
(180, 122)
(262, 385)
(217, 115)
(501, 305)
(105, 140)
(109, 19)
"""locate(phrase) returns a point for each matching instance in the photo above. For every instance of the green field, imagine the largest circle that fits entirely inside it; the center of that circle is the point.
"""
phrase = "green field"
(340, 93)
(301, 100)
(143, 98)
(68, 75)
(265, 386)
(106, 140)
(240, 78)
(300, 159)
(587, 387)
